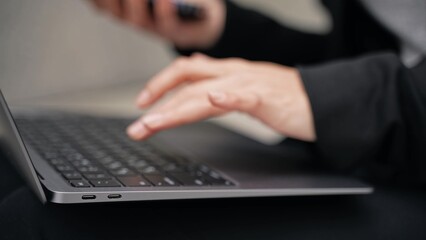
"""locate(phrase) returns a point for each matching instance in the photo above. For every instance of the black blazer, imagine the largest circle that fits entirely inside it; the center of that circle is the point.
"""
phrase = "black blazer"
(369, 110)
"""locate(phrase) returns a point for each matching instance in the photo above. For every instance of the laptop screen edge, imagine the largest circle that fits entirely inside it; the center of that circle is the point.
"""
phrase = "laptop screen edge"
(15, 150)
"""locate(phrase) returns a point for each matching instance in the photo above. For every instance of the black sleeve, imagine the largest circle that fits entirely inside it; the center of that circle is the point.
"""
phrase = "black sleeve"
(254, 36)
(370, 114)
(251, 35)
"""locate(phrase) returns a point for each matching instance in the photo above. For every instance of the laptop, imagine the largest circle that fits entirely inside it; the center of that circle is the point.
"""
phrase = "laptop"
(71, 158)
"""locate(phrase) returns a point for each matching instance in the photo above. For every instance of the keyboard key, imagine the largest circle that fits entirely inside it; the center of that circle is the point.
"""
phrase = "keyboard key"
(123, 172)
(98, 154)
(81, 163)
(187, 180)
(64, 168)
(160, 180)
(104, 160)
(97, 176)
(214, 178)
(138, 164)
(121, 153)
(72, 175)
(114, 165)
(56, 161)
(159, 161)
(79, 183)
(50, 155)
(105, 183)
(135, 181)
(204, 168)
(171, 167)
(74, 156)
(218, 181)
(89, 169)
(148, 170)
(131, 158)
(214, 175)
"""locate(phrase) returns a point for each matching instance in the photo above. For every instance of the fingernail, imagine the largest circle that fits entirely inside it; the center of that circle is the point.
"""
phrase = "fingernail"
(144, 97)
(137, 130)
(218, 96)
(153, 120)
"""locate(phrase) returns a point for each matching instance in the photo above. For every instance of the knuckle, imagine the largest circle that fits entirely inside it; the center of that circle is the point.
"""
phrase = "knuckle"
(233, 100)
(200, 57)
(256, 102)
(236, 100)
(248, 102)
(197, 56)
(181, 62)
(237, 61)
(236, 64)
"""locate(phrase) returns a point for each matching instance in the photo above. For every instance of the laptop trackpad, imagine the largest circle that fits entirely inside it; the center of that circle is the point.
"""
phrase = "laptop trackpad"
(252, 164)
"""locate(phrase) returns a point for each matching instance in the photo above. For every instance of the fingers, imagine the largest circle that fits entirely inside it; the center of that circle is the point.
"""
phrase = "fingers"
(185, 109)
(165, 18)
(138, 131)
(183, 70)
(137, 13)
(155, 121)
(235, 101)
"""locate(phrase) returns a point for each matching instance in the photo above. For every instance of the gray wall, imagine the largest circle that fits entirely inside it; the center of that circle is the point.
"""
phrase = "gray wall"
(53, 46)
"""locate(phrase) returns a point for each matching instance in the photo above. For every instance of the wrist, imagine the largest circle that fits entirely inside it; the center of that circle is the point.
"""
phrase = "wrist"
(300, 121)
(306, 123)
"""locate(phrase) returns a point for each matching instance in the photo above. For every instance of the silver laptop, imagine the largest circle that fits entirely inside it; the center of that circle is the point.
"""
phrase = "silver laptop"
(71, 158)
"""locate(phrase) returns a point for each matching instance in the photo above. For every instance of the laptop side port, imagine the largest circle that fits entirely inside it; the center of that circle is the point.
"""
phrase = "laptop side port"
(114, 196)
(88, 197)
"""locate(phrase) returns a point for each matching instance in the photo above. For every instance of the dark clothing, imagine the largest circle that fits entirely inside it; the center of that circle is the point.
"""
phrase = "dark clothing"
(369, 110)
(254, 36)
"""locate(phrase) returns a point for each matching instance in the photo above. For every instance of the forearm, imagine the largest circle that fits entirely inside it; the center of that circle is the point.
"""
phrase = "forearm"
(369, 112)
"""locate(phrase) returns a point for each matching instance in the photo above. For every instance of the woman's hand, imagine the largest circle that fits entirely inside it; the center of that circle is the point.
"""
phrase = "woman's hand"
(207, 87)
(165, 22)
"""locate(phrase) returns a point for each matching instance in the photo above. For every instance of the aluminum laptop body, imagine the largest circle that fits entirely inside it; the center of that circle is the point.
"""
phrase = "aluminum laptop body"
(224, 165)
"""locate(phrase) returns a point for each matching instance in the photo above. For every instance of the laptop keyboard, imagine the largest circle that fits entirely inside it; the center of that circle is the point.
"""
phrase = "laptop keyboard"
(94, 152)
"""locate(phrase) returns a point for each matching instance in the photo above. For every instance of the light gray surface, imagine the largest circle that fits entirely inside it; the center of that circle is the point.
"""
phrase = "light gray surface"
(53, 46)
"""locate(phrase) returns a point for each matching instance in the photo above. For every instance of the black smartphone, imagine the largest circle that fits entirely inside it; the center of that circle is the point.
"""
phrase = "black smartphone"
(186, 11)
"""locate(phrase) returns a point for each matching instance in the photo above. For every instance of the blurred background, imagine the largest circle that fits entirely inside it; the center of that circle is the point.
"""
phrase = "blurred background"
(53, 47)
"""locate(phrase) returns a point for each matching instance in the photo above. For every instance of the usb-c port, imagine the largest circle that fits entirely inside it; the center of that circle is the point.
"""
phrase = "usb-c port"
(88, 197)
(114, 196)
